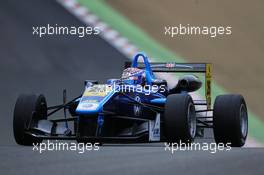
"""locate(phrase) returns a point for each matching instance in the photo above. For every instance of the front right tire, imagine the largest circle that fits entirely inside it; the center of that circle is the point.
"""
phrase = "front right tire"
(28, 110)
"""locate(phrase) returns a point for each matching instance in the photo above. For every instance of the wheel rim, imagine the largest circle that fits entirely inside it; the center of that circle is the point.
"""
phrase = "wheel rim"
(243, 120)
(191, 120)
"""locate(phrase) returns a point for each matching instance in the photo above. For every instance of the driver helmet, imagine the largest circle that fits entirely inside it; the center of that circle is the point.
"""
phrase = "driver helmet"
(134, 76)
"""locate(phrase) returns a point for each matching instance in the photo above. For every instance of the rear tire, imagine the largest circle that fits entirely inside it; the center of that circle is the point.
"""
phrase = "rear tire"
(28, 110)
(180, 118)
(230, 120)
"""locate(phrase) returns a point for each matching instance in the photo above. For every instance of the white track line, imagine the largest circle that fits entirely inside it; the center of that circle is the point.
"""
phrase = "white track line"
(122, 44)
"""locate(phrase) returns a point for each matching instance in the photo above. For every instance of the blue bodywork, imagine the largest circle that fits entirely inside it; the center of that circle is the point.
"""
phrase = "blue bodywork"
(90, 104)
(128, 109)
(149, 74)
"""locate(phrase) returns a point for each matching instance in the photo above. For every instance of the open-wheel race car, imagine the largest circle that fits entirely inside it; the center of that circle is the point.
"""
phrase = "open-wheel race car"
(138, 107)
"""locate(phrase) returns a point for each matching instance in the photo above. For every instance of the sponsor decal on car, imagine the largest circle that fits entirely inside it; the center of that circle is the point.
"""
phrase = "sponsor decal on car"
(154, 129)
(137, 107)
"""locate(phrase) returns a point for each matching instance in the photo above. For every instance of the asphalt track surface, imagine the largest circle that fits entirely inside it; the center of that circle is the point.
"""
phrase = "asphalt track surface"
(47, 65)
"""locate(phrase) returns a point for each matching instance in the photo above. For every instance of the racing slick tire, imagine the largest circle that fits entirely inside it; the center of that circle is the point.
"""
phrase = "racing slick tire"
(28, 110)
(180, 118)
(230, 120)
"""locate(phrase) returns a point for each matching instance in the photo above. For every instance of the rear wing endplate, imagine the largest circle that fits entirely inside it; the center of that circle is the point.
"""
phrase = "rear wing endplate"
(171, 67)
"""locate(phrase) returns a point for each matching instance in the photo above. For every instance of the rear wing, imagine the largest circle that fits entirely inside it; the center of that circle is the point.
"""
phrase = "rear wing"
(171, 67)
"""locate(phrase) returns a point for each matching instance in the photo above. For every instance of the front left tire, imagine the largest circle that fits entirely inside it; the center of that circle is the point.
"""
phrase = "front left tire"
(180, 118)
